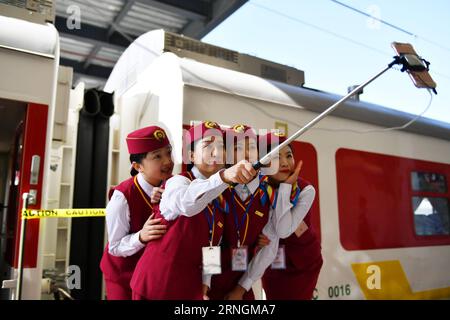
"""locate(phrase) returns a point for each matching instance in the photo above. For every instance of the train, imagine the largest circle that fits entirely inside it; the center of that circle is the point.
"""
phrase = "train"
(382, 204)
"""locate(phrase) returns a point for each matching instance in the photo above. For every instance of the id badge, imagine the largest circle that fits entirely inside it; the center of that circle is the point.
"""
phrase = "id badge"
(211, 260)
(280, 260)
(239, 259)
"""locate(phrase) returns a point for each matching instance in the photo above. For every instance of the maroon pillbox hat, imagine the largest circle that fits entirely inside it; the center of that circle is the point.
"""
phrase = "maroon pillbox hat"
(202, 130)
(240, 131)
(146, 140)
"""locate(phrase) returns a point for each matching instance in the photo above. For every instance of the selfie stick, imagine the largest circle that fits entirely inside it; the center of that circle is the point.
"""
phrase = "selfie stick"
(268, 157)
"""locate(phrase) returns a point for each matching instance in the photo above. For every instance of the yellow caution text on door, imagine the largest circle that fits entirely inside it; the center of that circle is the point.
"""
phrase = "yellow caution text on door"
(62, 213)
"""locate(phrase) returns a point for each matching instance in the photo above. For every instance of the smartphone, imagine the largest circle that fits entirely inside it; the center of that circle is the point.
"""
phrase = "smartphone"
(417, 69)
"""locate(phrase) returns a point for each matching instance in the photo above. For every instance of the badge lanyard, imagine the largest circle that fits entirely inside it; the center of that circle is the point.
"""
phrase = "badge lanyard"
(211, 255)
(245, 216)
(142, 193)
(211, 221)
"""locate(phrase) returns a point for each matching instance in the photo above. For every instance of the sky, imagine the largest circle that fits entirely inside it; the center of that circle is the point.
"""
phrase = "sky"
(337, 47)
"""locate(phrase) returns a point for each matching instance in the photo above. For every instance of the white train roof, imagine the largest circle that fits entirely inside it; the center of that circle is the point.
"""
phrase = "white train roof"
(148, 49)
(24, 36)
(245, 85)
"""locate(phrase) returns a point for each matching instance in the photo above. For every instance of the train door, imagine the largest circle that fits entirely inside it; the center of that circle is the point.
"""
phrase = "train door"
(23, 128)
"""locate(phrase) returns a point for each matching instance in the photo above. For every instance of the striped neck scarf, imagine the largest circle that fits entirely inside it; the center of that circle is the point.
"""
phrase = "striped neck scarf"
(271, 193)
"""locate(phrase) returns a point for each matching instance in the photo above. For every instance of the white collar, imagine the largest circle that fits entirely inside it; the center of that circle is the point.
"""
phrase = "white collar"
(197, 174)
(252, 186)
(148, 188)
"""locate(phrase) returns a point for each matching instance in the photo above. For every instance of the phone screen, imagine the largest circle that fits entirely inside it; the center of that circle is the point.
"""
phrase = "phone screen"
(418, 70)
(415, 62)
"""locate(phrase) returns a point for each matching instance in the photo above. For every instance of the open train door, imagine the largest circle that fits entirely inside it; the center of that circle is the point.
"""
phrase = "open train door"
(25, 176)
(29, 59)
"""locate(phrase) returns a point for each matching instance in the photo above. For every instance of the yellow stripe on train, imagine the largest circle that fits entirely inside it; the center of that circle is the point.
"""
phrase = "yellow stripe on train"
(62, 213)
(385, 280)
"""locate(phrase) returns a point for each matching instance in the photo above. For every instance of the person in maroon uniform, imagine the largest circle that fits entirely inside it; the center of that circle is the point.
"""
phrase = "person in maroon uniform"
(130, 212)
(302, 251)
(245, 221)
(174, 267)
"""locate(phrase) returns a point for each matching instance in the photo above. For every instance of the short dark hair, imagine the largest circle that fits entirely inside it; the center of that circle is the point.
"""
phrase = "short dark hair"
(136, 157)
(192, 145)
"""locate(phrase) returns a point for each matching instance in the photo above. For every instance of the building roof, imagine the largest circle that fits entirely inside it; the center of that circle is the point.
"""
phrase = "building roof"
(107, 27)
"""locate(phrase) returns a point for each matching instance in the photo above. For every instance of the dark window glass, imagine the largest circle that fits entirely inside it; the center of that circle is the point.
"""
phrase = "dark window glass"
(431, 216)
(428, 181)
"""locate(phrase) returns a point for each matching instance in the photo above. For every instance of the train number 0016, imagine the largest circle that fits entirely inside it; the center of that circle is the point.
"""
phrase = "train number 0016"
(339, 291)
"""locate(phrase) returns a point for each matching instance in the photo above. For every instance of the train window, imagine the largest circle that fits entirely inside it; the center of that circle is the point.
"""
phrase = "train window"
(431, 216)
(428, 182)
(386, 201)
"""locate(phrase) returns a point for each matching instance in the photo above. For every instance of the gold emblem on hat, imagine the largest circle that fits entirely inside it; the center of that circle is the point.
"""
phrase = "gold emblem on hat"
(211, 125)
(279, 134)
(159, 135)
(239, 128)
